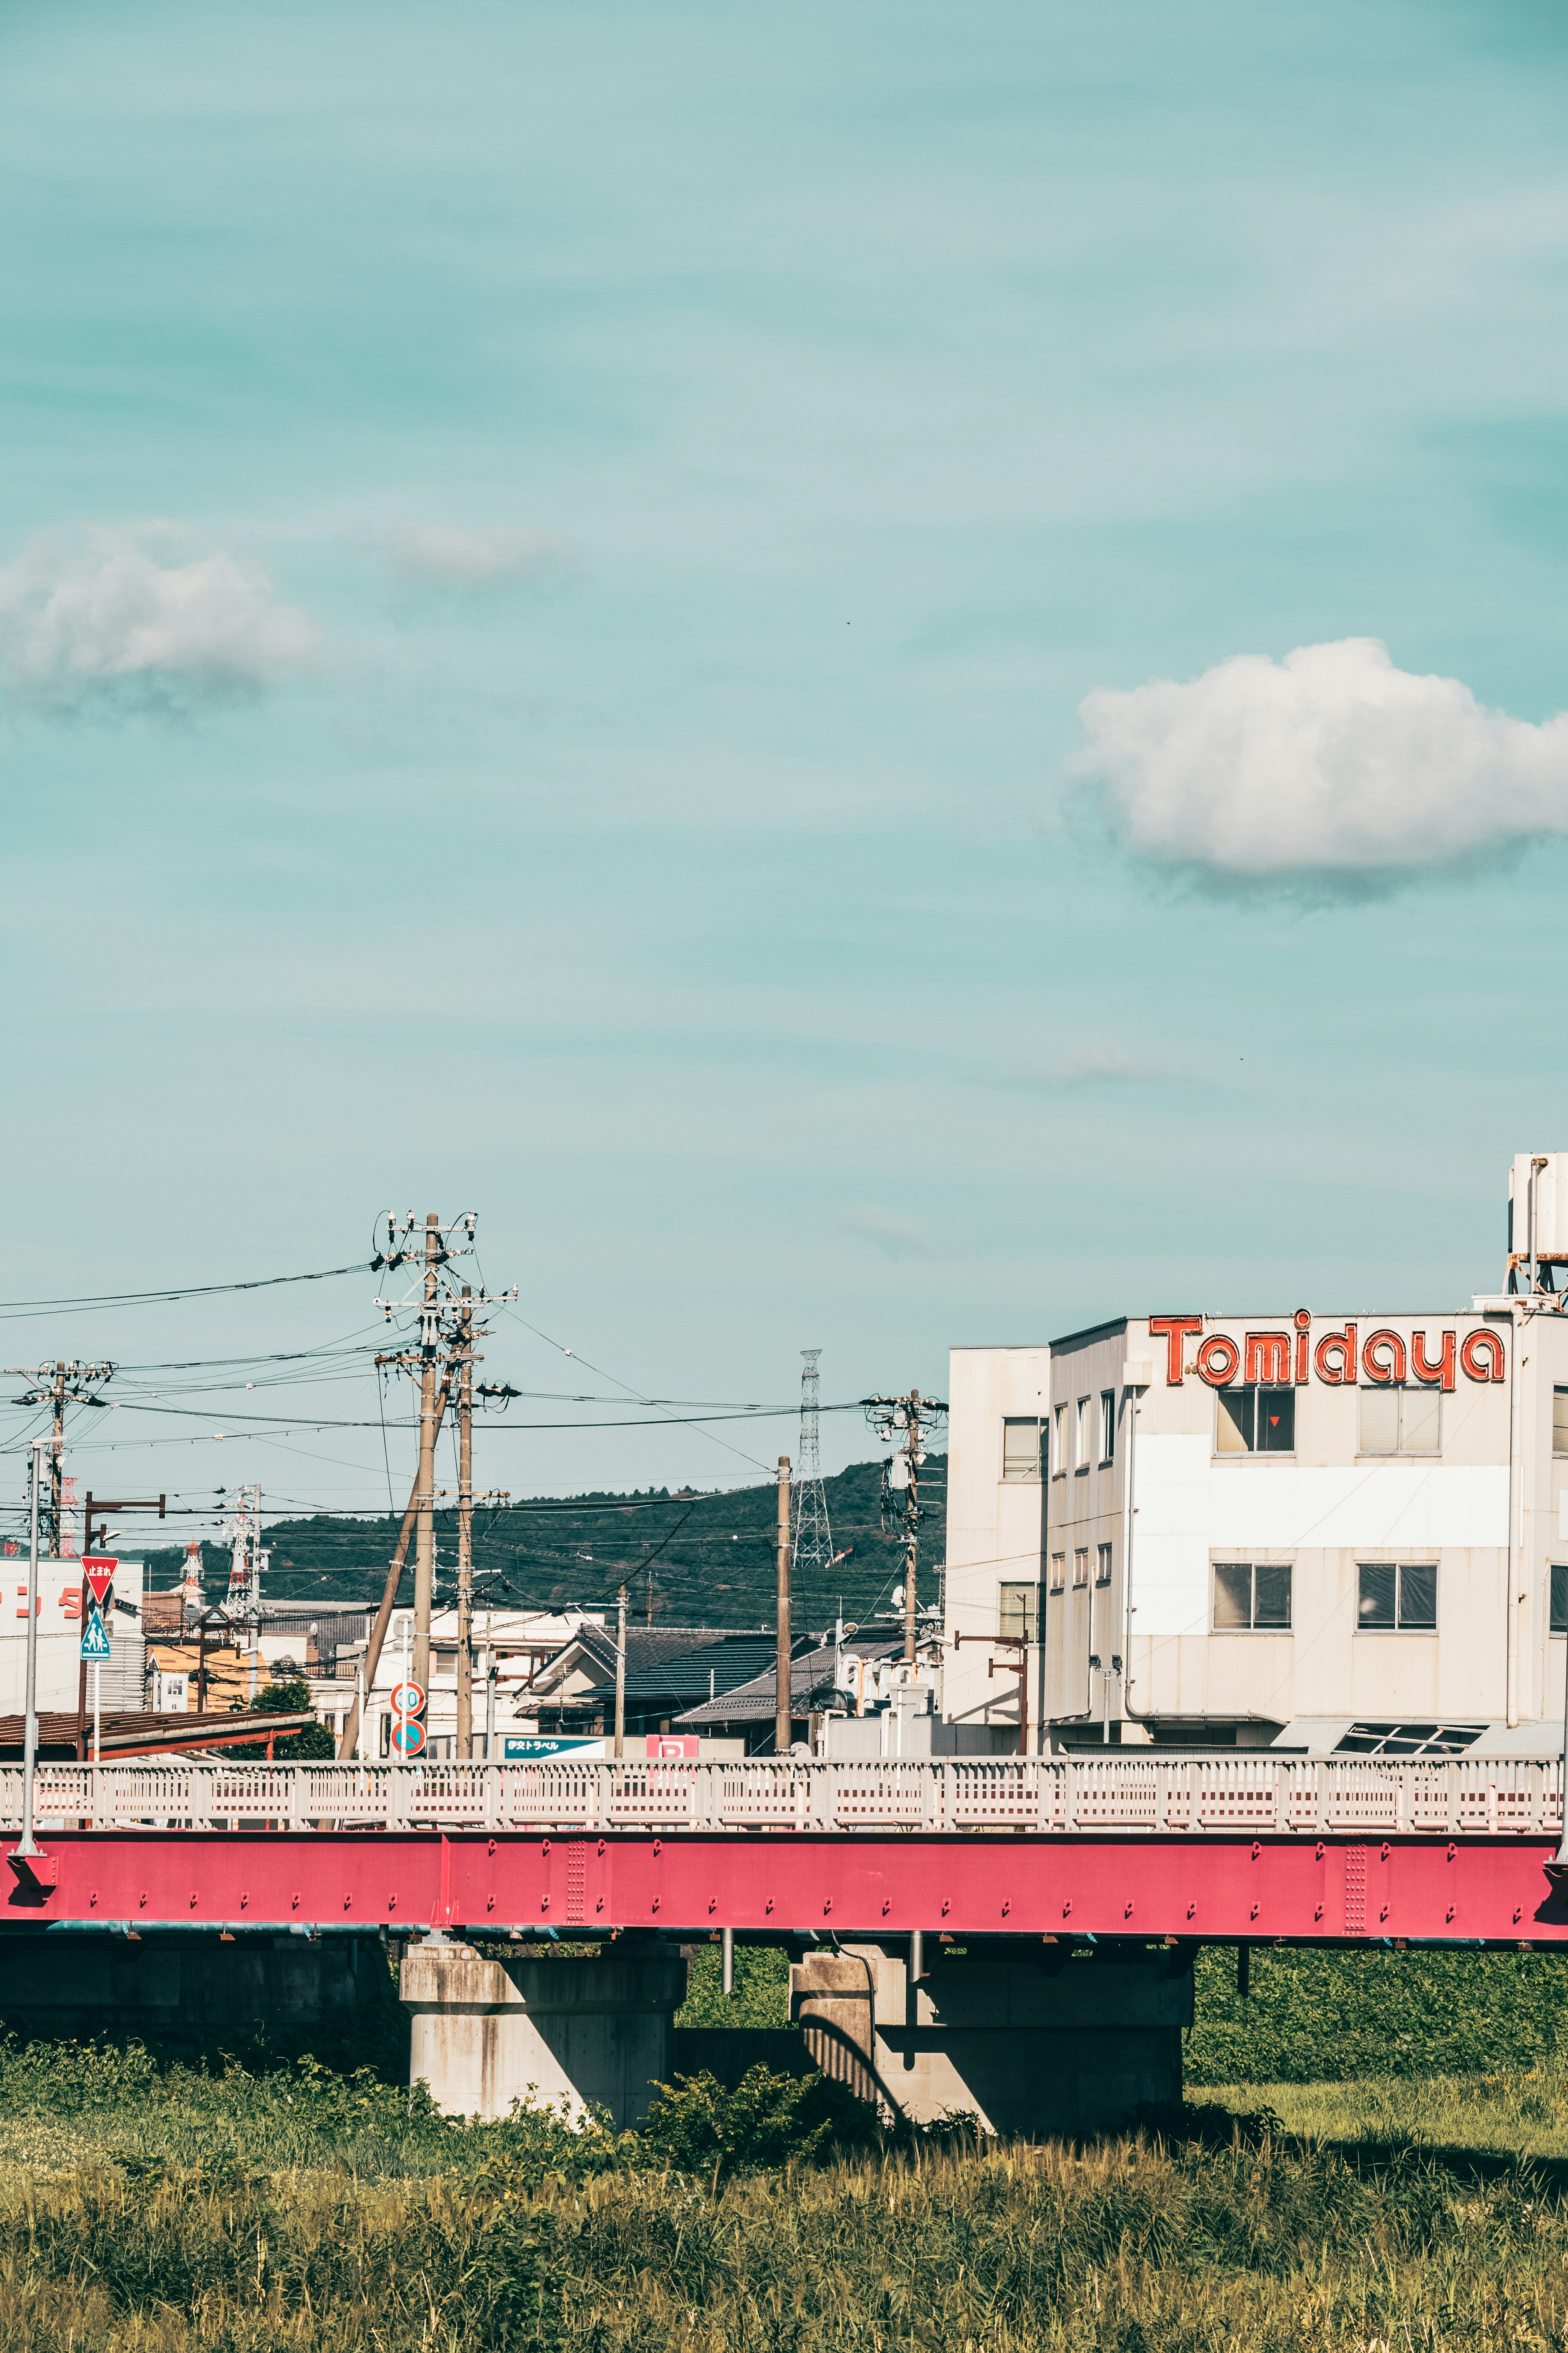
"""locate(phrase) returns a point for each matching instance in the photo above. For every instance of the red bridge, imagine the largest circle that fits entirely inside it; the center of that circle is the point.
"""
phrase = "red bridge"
(1229, 1848)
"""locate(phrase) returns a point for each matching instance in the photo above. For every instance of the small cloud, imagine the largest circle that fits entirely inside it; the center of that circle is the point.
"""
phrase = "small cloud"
(1331, 768)
(1099, 1066)
(894, 1236)
(105, 613)
(441, 556)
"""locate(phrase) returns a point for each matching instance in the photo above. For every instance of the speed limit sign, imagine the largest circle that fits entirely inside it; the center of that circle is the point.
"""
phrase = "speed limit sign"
(407, 1699)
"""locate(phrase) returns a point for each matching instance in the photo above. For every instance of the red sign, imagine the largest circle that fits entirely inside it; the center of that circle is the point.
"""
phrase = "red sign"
(1288, 1359)
(99, 1570)
(673, 1743)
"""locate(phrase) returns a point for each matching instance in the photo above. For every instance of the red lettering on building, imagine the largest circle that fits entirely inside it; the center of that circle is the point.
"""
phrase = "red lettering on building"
(1421, 1365)
(1388, 1365)
(1475, 1343)
(1339, 1346)
(1269, 1358)
(1279, 1359)
(1173, 1330)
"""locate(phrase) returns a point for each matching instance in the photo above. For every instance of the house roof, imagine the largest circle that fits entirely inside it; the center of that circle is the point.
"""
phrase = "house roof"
(592, 1651)
(809, 1671)
(717, 1662)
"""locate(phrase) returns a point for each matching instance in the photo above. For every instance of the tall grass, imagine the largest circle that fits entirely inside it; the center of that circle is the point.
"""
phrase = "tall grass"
(1249, 2247)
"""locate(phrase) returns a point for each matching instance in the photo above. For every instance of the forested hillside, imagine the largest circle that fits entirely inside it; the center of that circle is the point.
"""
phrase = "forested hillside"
(693, 1558)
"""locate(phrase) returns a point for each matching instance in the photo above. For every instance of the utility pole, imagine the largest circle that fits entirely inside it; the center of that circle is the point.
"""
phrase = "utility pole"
(784, 1714)
(905, 1418)
(438, 1380)
(465, 1527)
(350, 1738)
(425, 1537)
(104, 1504)
(621, 1675)
(57, 1385)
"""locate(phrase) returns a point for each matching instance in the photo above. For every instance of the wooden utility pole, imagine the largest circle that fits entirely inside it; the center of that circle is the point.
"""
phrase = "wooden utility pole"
(465, 1527)
(910, 1417)
(58, 1463)
(388, 1597)
(57, 1385)
(621, 1675)
(425, 1545)
(784, 1719)
(914, 1454)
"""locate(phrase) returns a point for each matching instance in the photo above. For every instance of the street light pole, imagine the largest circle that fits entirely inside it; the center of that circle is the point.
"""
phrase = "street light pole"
(30, 1728)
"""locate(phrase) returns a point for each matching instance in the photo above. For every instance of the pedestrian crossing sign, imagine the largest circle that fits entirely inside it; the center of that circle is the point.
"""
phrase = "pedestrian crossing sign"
(95, 1643)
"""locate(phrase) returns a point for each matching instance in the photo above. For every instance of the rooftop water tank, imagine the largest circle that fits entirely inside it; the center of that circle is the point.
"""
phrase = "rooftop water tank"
(1551, 1206)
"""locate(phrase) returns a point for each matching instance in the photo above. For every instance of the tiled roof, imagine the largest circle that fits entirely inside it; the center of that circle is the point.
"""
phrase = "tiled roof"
(729, 1659)
(809, 1671)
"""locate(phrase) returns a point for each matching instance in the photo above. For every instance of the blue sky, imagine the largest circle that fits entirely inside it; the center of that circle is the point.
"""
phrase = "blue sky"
(549, 562)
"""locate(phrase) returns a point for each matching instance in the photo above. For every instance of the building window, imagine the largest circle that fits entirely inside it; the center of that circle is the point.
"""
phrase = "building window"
(1408, 1739)
(1102, 1566)
(1059, 1457)
(1021, 1447)
(1398, 1597)
(1251, 1597)
(1560, 1421)
(1081, 1566)
(1256, 1421)
(1107, 1425)
(1021, 1611)
(1059, 1571)
(1559, 1596)
(1080, 1456)
(1403, 1422)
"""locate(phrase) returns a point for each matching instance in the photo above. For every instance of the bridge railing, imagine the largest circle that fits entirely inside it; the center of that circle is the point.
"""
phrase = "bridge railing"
(1247, 1795)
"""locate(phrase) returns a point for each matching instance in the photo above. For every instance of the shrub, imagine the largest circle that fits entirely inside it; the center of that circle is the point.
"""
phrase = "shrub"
(768, 2120)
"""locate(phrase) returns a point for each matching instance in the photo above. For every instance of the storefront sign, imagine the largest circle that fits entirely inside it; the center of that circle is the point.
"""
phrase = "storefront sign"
(1341, 1359)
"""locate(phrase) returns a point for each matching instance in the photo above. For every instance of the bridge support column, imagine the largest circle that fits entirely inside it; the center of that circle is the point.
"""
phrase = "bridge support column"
(595, 2032)
(1033, 2043)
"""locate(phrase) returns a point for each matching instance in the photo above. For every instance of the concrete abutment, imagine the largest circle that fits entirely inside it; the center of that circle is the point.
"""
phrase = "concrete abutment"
(1029, 2040)
(575, 2034)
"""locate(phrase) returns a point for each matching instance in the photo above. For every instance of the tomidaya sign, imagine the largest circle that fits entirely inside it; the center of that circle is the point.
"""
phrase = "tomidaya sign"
(1340, 1359)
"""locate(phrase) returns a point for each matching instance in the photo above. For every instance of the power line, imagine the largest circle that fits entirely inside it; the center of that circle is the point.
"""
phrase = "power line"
(92, 1301)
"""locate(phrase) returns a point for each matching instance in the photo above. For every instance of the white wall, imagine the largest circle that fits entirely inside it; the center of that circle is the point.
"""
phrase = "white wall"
(993, 1526)
(59, 1636)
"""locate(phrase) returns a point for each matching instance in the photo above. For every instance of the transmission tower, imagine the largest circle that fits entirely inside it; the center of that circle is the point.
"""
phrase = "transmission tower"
(811, 1539)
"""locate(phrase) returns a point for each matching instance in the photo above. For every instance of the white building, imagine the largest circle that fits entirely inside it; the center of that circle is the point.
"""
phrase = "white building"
(59, 1622)
(1316, 1530)
(518, 1644)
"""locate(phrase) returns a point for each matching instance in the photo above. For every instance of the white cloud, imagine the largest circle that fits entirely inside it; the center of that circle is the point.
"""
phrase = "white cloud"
(103, 612)
(444, 557)
(894, 1236)
(1331, 763)
(1099, 1066)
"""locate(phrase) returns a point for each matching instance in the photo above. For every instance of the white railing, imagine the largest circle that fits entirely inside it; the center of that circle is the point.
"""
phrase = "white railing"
(1223, 1796)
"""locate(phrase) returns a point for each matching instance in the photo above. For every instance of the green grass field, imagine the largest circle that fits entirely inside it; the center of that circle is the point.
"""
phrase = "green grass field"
(239, 2204)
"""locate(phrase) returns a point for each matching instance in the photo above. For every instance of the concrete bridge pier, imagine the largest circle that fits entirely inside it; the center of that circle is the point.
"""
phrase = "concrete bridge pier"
(1035, 2040)
(575, 2034)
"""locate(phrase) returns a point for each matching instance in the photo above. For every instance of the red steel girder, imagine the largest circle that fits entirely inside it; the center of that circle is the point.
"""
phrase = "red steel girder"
(1298, 1889)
